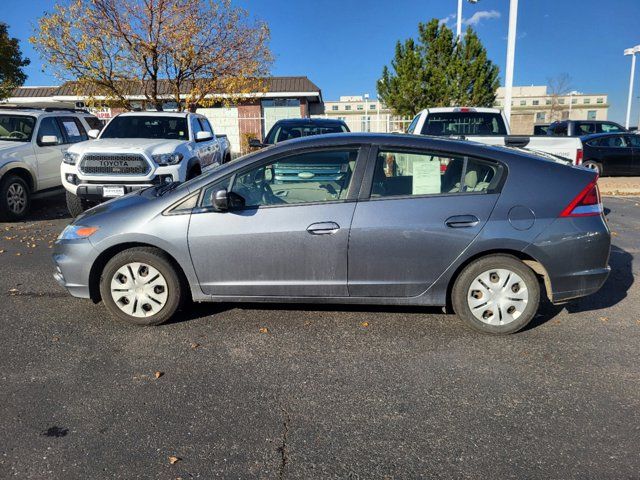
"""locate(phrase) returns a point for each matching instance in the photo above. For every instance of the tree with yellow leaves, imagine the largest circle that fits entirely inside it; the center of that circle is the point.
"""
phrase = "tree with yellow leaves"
(188, 51)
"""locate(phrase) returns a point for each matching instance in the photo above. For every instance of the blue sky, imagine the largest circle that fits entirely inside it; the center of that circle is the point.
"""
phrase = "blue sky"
(343, 45)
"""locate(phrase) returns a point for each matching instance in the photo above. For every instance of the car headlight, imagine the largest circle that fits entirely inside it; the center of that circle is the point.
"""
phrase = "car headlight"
(70, 158)
(167, 158)
(76, 232)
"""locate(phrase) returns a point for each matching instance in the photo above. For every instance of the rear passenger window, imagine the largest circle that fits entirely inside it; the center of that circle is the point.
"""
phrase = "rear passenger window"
(74, 130)
(399, 174)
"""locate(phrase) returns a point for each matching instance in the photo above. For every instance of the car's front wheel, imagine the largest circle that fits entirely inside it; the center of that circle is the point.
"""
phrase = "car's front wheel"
(15, 198)
(141, 286)
(592, 165)
(75, 204)
(496, 294)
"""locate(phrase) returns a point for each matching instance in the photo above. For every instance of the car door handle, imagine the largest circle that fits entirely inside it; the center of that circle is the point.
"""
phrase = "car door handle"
(323, 228)
(462, 221)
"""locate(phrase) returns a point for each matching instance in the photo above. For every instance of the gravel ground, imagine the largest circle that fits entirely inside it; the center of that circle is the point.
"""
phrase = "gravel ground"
(322, 392)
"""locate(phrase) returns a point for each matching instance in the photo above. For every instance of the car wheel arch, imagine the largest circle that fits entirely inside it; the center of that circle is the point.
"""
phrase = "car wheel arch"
(528, 260)
(23, 173)
(101, 261)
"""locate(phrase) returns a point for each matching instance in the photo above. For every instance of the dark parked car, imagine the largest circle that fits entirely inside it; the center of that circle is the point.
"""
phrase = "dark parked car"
(541, 129)
(394, 229)
(300, 127)
(612, 154)
(578, 128)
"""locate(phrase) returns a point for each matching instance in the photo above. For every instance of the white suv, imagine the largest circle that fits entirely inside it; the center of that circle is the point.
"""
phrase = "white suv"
(32, 142)
(138, 150)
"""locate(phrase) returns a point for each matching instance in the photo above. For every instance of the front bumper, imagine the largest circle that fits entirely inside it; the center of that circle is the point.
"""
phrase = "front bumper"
(73, 260)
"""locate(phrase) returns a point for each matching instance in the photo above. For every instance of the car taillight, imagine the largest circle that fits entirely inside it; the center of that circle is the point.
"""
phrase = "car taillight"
(586, 203)
(579, 155)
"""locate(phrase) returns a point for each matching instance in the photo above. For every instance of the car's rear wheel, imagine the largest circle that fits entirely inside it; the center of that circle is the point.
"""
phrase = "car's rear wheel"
(141, 286)
(592, 165)
(15, 198)
(75, 204)
(496, 294)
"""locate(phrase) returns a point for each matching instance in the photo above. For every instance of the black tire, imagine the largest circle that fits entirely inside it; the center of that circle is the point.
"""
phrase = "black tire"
(593, 165)
(193, 172)
(15, 198)
(482, 265)
(151, 257)
(75, 204)
(227, 158)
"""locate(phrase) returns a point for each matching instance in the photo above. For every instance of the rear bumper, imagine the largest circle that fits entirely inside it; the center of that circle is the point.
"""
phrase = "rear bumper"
(586, 282)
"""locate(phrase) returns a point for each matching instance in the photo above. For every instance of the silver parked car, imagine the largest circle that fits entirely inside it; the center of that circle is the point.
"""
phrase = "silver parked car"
(396, 220)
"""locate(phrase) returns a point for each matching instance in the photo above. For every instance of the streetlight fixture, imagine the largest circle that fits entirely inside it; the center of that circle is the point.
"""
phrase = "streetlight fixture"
(459, 23)
(631, 51)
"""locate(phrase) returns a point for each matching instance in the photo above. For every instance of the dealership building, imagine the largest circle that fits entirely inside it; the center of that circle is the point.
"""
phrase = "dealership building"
(250, 114)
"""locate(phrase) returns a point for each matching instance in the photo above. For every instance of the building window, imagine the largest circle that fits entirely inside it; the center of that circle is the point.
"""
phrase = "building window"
(600, 100)
(347, 107)
(372, 106)
(561, 101)
(523, 103)
(334, 108)
(591, 115)
(360, 107)
(587, 101)
(540, 117)
(536, 102)
(574, 101)
(547, 101)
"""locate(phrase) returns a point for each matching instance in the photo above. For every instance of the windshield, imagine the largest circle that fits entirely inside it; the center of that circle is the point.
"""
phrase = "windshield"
(16, 128)
(280, 133)
(464, 123)
(130, 126)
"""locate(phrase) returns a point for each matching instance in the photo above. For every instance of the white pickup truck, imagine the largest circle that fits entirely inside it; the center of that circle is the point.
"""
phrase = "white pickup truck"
(138, 150)
(488, 126)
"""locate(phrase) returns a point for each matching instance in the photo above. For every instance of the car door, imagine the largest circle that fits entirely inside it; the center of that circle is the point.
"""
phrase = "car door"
(634, 166)
(419, 212)
(615, 153)
(212, 146)
(49, 157)
(290, 238)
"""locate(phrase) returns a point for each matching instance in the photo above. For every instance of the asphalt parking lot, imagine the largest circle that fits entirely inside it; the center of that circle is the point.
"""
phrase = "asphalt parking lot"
(258, 391)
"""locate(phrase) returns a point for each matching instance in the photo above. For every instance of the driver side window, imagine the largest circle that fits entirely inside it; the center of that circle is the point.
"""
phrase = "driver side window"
(319, 176)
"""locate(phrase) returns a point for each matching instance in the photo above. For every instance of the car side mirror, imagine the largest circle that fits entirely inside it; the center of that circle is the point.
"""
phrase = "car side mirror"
(48, 140)
(220, 200)
(203, 136)
(93, 133)
(255, 143)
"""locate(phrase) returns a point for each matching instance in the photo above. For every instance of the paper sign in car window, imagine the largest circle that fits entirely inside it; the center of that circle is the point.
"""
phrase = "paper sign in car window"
(426, 174)
(71, 128)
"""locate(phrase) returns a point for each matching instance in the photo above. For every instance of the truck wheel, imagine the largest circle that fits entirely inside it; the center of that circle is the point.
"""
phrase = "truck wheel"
(227, 158)
(75, 204)
(15, 198)
(496, 294)
(590, 164)
(141, 286)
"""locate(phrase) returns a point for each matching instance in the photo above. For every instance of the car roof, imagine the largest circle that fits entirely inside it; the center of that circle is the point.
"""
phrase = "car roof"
(591, 136)
(462, 110)
(584, 121)
(154, 114)
(39, 112)
(310, 121)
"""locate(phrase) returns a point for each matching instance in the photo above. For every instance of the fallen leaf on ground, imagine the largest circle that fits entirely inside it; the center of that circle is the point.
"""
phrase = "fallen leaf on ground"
(264, 330)
(195, 345)
(173, 459)
(18, 254)
(56, 338)
(13, 291)
(604, 319)
(615, 234)
(158, 374)
(364, 324)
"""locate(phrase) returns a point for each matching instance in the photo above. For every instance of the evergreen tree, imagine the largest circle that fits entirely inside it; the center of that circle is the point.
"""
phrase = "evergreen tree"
(11, 63)
(438, 71)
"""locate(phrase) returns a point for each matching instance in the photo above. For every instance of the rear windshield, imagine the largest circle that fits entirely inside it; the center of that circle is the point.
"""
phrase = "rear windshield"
(464, 123)
(169, 128)
(280, 133)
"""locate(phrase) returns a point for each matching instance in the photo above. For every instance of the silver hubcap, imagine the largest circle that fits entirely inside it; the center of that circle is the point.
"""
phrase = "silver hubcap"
(139, 290)
(497, 297)
(591, 166)
(16, 198)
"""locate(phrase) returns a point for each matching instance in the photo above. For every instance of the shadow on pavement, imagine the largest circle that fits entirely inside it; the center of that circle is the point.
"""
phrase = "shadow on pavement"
(51, 207)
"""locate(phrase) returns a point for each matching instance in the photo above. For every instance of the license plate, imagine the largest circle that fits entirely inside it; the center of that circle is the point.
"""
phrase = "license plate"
(112, 191)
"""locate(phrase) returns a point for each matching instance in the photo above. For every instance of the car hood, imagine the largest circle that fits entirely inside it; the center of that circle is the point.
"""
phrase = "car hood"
(122, 206)
(150, 146)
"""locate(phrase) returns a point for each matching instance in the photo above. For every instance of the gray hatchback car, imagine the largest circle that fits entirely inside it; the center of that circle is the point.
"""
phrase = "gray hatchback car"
(349, 218)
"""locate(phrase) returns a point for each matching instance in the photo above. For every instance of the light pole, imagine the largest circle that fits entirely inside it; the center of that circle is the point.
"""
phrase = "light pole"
(511, 51)
(459, 22)
(632, 52)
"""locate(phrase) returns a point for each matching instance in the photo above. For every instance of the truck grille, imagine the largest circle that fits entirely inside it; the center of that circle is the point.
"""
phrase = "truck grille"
(94, 164)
